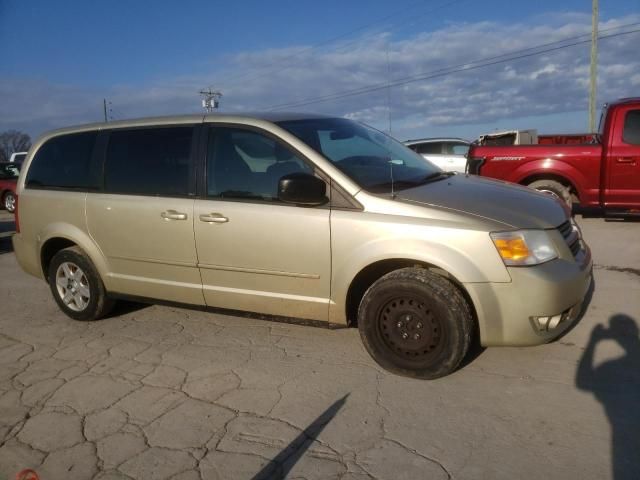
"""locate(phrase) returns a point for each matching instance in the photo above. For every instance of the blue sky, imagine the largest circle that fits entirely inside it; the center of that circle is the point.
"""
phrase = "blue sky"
(59, 59)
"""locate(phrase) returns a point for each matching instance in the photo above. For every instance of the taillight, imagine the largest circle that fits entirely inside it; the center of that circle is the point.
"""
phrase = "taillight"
(16, 216)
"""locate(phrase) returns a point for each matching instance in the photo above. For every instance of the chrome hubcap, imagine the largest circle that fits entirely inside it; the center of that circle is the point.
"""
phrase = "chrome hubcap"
(10, 202)
(549, 192)
(73, 286)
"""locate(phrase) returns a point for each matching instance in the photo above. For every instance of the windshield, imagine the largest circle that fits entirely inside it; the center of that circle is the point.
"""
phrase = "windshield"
(373, 160)
(9, 171)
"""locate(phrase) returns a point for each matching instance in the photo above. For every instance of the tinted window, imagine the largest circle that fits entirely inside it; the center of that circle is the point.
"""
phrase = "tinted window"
(631, 132)
(430, 148)
(153, 161)
(247, 164)
(64, 162)
(20, 158)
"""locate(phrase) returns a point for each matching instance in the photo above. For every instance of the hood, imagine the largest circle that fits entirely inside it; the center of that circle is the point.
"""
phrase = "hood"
(507, 203)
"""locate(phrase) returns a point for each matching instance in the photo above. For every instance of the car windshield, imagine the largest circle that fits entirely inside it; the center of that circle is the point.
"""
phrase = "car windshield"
(9, 171)
(373, 160)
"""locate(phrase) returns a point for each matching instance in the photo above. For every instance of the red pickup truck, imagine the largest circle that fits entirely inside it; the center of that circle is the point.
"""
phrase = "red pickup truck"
(604, 173)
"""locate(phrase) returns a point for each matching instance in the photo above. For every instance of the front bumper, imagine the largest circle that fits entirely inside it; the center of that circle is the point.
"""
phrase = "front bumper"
(517, 313)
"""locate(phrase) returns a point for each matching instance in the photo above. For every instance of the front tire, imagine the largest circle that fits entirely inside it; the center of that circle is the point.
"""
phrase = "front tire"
(9, 202)
(415, 323)
(77, 287)
(555, 188)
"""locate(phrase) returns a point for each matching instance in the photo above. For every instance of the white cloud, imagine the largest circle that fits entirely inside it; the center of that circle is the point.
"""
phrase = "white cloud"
(547, 84)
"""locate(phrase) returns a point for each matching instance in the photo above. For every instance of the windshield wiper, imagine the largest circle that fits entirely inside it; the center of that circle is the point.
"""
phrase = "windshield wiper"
(435, 176)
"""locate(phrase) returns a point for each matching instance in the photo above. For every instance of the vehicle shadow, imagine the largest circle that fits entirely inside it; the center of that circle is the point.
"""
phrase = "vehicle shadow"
(124, 307)
(280, 466)
(6, 227)
(616, 385)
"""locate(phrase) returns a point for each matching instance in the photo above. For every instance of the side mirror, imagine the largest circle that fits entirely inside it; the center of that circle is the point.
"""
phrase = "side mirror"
(302, 189)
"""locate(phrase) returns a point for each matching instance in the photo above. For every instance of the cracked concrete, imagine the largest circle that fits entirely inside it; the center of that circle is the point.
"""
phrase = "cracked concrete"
(169, 393)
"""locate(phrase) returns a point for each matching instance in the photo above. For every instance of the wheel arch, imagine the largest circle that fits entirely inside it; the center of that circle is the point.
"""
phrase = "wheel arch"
(368, 275)
(61, 236)
(551, 170)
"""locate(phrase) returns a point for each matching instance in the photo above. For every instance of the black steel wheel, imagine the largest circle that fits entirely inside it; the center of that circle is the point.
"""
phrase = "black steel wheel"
(415, 323)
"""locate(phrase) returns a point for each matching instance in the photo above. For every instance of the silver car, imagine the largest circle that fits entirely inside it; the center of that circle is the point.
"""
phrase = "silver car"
(303, 216)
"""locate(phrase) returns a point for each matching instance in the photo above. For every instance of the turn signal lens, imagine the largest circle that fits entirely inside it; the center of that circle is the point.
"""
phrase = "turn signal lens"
(524, 247)
(512, 248)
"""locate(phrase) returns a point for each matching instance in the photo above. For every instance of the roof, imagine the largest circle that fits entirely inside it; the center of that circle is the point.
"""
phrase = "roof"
(622, 101)
(436, 139)
(192, 118)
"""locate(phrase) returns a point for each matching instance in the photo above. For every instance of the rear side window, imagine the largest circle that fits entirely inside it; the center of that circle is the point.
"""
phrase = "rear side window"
(430, 148)
(456, 148)
(64, 163)
(631, 133)
(150, 161)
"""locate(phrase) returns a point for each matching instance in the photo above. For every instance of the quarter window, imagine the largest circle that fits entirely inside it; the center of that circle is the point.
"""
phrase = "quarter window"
(150, 161)
(64, 163)
(631, 133)
(247, 164)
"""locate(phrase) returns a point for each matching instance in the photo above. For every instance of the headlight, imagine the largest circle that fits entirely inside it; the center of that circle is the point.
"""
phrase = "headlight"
(524, 247)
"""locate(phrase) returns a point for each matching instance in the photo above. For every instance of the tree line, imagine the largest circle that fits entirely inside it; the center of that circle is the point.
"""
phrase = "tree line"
(13, 141)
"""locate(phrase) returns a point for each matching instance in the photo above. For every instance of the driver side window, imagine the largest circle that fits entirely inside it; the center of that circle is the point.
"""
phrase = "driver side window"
(247, 164)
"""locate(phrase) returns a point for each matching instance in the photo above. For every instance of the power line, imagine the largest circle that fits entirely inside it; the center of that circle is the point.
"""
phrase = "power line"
(452, 68)
(472, 65)
(274, 65)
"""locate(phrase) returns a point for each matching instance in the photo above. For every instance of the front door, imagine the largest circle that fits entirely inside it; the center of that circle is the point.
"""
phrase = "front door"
(623, 179)
(255, 252)
(143, 219)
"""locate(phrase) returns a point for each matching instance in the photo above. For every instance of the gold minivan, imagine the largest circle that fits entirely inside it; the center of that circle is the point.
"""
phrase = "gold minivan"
(303, 216)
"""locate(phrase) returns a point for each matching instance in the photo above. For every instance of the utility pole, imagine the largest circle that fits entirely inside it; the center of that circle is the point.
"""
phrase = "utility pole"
(210, 99)
(104, 108)
(594, 66)
(388, 90)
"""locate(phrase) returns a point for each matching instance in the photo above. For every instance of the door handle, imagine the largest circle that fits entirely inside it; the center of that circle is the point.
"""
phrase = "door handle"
(213, 218)
(173, 215)
(627, 160)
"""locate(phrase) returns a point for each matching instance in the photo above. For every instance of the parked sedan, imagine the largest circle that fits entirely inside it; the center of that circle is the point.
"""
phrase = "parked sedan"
(8, 178)
(450, 154)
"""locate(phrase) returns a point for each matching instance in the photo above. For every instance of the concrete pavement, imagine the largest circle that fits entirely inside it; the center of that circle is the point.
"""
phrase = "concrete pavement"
(168, 393)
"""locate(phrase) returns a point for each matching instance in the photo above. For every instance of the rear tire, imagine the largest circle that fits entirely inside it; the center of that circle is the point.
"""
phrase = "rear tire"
(415, 323)
(9, 202)
(77, 287)
(555, 188)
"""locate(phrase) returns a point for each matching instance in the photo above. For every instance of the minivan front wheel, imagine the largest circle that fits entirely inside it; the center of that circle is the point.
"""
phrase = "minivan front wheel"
(415, 323)
(77, 287)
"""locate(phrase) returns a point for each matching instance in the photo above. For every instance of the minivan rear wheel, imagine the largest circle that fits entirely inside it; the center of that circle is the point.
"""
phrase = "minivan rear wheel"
(77, 287)
(416, 323)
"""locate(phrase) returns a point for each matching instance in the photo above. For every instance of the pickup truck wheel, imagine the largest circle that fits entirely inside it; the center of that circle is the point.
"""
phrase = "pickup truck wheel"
(553, 187)
(415, 323)
(9, 202)
(76, 286)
